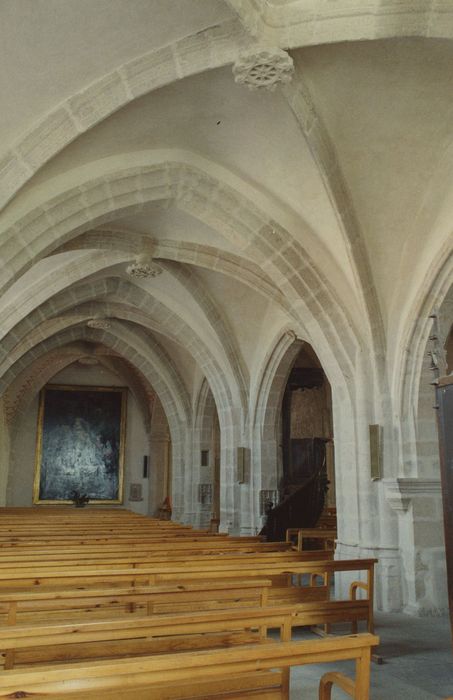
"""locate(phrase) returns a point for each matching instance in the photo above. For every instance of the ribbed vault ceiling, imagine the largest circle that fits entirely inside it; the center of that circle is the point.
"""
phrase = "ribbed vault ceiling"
(306, 208)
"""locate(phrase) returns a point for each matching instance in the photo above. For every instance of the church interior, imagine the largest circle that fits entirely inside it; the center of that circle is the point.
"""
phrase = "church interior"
(226, 272)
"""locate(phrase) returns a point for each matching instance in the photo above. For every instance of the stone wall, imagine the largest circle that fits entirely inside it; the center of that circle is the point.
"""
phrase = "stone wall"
(21, 474)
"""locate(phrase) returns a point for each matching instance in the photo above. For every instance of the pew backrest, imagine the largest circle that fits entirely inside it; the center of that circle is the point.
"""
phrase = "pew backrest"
(80, 680)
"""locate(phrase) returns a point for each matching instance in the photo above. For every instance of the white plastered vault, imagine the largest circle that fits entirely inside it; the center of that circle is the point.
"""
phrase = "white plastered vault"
(316, 212)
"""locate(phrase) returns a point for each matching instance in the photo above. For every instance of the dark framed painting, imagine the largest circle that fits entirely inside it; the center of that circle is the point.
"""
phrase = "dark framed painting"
(80, 444)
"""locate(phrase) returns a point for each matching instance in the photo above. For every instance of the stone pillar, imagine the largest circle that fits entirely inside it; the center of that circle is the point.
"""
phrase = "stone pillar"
(4, 453)
(215, 470)
(159, 471)
(418, 503)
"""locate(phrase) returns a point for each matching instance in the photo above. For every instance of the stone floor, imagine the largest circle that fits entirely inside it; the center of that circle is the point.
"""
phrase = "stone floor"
(418, 662)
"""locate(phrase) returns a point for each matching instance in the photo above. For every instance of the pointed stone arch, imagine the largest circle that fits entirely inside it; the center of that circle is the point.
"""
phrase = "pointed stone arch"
(266, 455)
(206, 422)
(414, 491)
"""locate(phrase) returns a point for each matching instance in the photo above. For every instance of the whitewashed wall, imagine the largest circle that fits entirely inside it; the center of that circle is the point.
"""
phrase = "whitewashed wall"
(20, 480)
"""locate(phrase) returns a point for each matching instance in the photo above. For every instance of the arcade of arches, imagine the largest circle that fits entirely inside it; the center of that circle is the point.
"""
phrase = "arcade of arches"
(199, 198)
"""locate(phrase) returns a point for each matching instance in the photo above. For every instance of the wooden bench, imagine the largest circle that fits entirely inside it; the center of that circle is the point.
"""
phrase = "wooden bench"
(149, 634)
(38, 605)
(71, 525)
(160, 572)
(89, 538)
(30, 562)
(201, 674)
(201, 572)
(84, 639)
(282, 591)
(98, 551)
(19, 566)
(282, 575)
(60, 532)
(297, 535)
(78, 523)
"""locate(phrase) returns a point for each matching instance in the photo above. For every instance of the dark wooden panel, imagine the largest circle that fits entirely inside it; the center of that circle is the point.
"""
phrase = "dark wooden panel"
(301, 507)
(307, 456)
(306, 378)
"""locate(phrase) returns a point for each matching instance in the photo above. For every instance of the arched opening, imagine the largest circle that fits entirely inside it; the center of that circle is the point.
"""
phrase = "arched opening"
(430, 578)
(306, 426)
(421, 534)
(159, 467)
(207, 455)
(294, 437)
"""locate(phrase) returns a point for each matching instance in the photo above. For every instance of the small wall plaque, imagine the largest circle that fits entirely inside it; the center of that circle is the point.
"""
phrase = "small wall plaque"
(205, 494)
(135, 492)
(376, 451)
(243, 464)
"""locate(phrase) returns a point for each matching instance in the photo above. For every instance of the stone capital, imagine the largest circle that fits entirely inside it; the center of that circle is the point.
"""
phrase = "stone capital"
(400, 492)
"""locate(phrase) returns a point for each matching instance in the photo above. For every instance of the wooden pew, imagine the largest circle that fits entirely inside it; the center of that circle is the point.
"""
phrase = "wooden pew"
(53, 525)
(326, 536)
(32, 525)
(14, 583)
(142, 559)
(176, 572)
(89, 538)
(71, 517)
(38, 605)
(67, 512)
(189, 674)
(162, 569)
(149, 634)
(26, 644)
(58, 531)
(104, 551)
(59, 569)
(83, 540)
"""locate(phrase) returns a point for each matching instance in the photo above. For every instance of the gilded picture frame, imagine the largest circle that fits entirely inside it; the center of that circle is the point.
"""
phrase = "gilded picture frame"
(80, 444)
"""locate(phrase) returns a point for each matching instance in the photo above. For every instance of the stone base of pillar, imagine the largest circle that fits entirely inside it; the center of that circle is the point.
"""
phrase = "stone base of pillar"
(247, 531)
(418, 503)
(420, 610)
(388, 595)
(183, 517)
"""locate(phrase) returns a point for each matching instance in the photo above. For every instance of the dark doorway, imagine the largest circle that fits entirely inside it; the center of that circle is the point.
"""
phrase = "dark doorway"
(307, 480)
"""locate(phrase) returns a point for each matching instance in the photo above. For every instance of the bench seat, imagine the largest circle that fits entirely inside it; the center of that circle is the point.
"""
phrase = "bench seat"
(130, 676)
